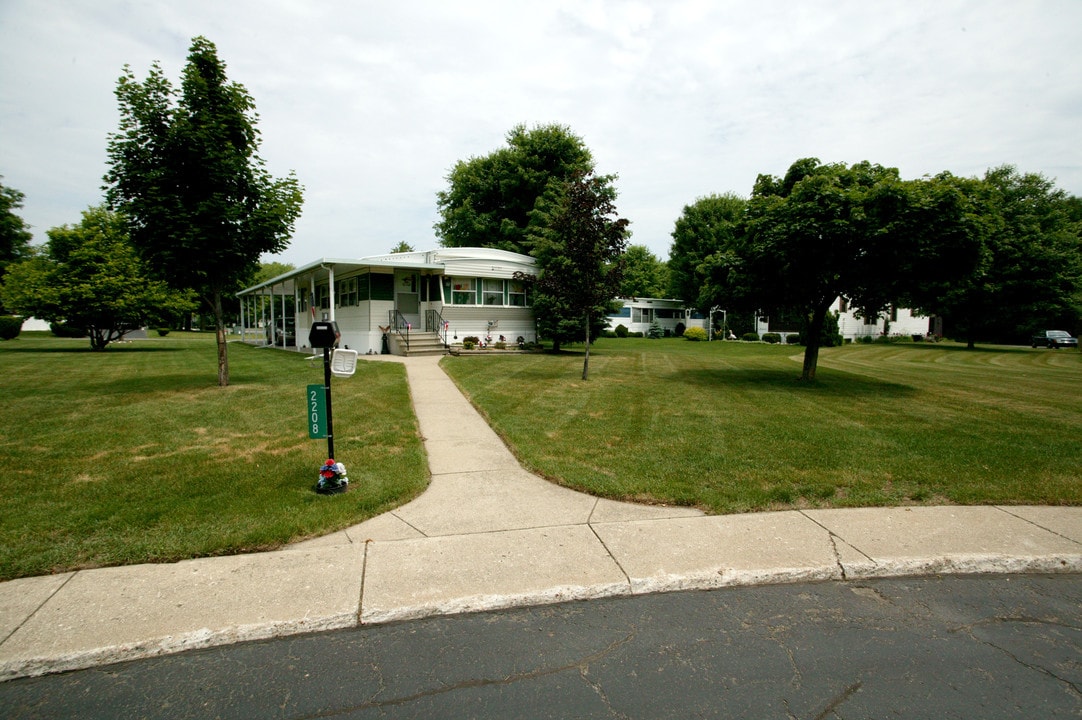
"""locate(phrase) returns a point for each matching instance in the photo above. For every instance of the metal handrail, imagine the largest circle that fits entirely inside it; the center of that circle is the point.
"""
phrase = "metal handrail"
(434, 319)
(398, 324)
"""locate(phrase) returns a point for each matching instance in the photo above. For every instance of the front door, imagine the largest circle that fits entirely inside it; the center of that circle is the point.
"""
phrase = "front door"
(406, 297)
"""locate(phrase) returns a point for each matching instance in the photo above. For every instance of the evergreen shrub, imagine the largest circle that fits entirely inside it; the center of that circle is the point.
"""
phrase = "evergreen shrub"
(66, 331)
(10, 327)
(695, 334)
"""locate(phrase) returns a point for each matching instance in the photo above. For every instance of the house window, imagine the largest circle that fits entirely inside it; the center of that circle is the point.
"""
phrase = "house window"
(843, 305)
(492, 292)
(484, 291)
(642, 315)
(347, 292)
(516, 293)
(463, 291)
(323, 296)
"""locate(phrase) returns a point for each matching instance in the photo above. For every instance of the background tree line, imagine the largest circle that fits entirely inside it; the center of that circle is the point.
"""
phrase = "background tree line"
(190, 209)
(996, 257)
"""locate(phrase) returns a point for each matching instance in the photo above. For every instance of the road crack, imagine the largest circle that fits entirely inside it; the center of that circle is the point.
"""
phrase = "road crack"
(582, 665)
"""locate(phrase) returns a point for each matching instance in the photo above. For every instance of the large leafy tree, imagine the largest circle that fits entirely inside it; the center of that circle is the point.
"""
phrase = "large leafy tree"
(579, 242)
(90, 277)
(185, 171)
(1030, 273)
(14, 234)
(940, 227)
(645, 275)
(704, 228)
(822, 231)
(490, 200)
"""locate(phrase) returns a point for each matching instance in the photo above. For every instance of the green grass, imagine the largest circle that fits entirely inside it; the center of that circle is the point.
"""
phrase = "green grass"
(135, 455)
(728, 427)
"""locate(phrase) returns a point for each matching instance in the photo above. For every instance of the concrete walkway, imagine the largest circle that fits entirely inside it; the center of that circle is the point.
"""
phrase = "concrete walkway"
(487, 534)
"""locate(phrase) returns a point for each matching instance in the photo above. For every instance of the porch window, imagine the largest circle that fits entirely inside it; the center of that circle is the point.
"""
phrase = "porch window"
(381, 286)
(347, 292)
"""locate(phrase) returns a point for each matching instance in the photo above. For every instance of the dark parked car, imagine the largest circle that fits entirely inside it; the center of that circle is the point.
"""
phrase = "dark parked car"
(1054, 339)
(290, 333)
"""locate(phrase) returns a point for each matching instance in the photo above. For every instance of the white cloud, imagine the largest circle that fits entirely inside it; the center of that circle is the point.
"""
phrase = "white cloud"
(371, 103)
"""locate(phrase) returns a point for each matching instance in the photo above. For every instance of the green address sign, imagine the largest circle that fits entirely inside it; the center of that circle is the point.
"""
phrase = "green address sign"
(317, 412)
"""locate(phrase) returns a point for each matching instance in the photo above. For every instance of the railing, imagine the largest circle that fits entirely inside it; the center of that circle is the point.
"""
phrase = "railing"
(434, 322)
(400, 325)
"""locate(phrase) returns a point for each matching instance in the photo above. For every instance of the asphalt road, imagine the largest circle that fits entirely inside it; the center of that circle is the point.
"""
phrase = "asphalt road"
(934, 647)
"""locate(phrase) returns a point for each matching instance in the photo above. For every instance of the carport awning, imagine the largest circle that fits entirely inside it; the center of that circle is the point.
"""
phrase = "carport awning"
(286, 283)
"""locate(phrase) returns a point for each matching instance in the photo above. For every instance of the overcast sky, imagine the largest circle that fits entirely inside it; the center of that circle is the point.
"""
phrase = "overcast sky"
(372, 103)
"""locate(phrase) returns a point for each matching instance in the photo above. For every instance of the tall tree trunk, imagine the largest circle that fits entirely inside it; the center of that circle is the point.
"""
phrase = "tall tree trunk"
(814, 339)
(586, 361)
(223, 350)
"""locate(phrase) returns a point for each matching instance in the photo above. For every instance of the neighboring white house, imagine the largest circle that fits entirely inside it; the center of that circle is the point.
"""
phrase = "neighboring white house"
(896, 321)
(440, 295)
(637, 314)
(32, 323)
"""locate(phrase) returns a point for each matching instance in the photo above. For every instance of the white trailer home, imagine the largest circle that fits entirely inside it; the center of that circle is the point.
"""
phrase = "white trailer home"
(401, 303)
(637, 314)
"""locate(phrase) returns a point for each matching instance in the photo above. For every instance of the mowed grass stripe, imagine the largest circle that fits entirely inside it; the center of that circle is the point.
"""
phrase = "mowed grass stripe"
(727, 426)
(135, 455)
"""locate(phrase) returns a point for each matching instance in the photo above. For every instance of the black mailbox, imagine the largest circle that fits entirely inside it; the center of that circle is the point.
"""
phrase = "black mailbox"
(323, 335)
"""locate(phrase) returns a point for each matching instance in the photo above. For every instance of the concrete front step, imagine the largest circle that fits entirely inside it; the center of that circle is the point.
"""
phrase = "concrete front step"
(420, 344)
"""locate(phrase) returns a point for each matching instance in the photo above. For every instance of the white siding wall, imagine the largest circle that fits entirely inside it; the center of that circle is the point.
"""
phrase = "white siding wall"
(640, 321)
(511, 322)
(853, 328)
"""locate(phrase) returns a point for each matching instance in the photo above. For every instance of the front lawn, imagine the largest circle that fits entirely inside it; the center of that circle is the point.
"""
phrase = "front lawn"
(136, 455)
(728, 427)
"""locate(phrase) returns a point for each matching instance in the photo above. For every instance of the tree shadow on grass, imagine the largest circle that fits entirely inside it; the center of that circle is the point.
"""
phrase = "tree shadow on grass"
(834, 383)
(960, 348)
(147, 385)
(111, 350)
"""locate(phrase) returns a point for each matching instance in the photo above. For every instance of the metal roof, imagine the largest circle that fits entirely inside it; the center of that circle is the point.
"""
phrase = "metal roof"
(423, 260)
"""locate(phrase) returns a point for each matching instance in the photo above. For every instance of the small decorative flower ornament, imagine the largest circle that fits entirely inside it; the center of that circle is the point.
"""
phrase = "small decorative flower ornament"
(332, 478)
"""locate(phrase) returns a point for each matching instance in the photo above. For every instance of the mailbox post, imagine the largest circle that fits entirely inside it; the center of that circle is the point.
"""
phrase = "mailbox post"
(325, 335)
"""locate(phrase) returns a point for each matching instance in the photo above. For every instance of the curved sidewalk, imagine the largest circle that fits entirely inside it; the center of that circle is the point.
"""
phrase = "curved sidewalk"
(487, 534)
